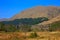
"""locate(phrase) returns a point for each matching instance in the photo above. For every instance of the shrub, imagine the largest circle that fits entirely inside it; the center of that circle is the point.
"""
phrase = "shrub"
(33, 35)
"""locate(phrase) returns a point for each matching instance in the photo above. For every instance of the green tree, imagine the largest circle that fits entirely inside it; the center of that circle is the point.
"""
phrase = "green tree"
(1, 26)
(33, 35)
(11, 28)
(25, 28)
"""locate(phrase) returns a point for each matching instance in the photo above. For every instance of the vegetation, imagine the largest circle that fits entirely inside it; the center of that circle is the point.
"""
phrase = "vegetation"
(20, 36)
(29, 21)
(24, 28)
(33, 35)
(23, 24)
(8, 28)
(55, 26)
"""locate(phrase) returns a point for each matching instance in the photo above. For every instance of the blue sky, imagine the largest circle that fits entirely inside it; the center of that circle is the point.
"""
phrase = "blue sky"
(9, 8)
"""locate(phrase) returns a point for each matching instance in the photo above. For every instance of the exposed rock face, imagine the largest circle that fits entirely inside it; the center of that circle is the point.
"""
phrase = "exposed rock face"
(40, 11)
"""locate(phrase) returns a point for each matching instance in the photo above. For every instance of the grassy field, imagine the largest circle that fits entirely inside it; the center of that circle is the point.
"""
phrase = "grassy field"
(25, 36)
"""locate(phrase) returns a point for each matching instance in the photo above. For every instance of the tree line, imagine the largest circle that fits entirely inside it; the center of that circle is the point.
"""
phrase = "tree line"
(23, 24)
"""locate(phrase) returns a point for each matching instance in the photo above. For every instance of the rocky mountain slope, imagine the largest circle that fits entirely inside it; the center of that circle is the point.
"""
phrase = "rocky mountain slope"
(39, 11)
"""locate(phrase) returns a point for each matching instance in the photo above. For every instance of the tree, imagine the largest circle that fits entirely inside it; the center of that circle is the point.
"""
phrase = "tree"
(33, 35)
(25, 28)
(1, 26)
(10, 28)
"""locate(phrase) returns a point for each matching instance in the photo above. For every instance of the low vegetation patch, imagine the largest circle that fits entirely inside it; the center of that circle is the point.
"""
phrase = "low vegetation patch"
(33, 35)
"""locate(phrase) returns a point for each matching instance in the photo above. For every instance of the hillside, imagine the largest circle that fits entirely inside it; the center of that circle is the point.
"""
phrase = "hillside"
(51, 21)
(38, 18)
(39, 11)
(50, 25)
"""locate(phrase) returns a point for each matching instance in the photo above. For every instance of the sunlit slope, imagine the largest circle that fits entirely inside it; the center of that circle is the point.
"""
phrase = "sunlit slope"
(56, 19)
(39, 11)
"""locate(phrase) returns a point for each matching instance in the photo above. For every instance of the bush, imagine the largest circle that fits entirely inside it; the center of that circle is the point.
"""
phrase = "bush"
(8, 28)
(33, 35)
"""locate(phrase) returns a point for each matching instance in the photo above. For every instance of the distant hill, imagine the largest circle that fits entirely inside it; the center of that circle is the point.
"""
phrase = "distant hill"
(39, 11)
(4, 19)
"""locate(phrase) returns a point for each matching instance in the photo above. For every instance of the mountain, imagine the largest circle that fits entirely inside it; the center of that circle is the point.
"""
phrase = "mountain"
(39, 11)
(39, 18)
(50, 12)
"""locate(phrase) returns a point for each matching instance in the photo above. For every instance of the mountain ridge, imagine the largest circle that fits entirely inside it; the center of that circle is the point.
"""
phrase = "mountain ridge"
(39, 11)
(4, 19)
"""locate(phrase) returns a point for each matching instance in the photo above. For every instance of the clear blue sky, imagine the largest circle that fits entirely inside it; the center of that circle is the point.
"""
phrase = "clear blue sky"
(8, 8)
